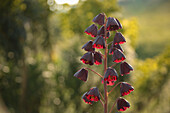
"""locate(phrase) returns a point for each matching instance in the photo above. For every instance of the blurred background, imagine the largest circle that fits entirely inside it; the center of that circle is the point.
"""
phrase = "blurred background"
(40, 48)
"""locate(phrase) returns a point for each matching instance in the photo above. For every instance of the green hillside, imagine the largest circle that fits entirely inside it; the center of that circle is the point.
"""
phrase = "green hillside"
(154, 24)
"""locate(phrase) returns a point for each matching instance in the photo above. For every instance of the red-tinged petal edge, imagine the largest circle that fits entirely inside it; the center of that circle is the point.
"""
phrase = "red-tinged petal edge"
(109, 83)
(97, 46)
(120, 42)
(126, 93)
(92, 98)
(124, 108)
(119, 60)
(97, 63)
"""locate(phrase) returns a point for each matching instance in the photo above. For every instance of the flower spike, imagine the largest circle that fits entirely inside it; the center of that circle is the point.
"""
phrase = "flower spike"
(122, 104)
(82, 74)
(93, 94)
(118, 39)
(99, 43)
(125, 88)
(118, 56)
(91, 30)
(125, 68)
(99, 19)
(88, 58)
(88, 46)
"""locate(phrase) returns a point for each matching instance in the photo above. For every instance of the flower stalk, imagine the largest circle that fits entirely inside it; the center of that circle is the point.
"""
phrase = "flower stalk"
(93, 57)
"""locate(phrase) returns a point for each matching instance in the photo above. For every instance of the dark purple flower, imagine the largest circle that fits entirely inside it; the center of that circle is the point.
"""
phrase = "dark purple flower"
(99, 43)
(112, 24)
(88, 58)
(97, 58)
(125, 68)
(99, 19)
(101, 32)
(125, 88)
(120, 25)
(118, 56)
(118, 39)
(82, 74)
(114, 47)
(88, 46)
(110, 76)
(93, 94)
(122, 104)
(86, 100)
(91, 30)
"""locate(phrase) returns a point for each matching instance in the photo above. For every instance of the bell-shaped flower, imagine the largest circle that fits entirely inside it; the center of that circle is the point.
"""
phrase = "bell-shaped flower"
(88, 46)
(118, 39)
(122, 104)
(86, 100)
(125, 68)
(99, 43)
(118, 56)
(97, 58)
(91, 30)
(88, 58)
(99, 19)
(93, 94)
(125, 88)
(120, 25)
(114, 47)
(110, 76)
(82, 74)
(112, 24)
(101, 32)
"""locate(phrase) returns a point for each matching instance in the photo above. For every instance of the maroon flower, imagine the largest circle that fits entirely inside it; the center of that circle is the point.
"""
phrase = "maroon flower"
(110, 76)
(118, 39)
(112, 24)
(118, 56)
(99, 19)
(114, 47)
(82, 74)
(120, 25)
(86, 100)
(125, 68)
(93, 94)
(125, 88)
(88, 58)
(99, 43)
(97, 58)
(122, 104)
(91, 30)
(88, 46)
(101, 32)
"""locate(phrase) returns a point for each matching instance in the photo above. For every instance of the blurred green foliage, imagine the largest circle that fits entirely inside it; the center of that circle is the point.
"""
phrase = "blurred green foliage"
(40, 48)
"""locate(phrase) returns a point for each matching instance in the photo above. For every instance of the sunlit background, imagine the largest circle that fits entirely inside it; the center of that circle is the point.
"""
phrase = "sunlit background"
(40, 47)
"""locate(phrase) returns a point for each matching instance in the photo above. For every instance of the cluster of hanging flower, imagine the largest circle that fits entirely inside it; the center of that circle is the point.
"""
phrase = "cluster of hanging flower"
(94, 57)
